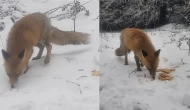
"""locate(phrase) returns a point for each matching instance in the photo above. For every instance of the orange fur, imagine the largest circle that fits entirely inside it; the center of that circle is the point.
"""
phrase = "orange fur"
(34, 30)
(139, 42)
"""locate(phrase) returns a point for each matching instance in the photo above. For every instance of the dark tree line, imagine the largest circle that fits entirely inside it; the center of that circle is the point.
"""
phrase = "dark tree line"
(118, 14)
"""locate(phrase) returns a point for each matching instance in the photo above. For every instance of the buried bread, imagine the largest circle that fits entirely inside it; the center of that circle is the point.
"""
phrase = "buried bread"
(165, 70)
(164, 75)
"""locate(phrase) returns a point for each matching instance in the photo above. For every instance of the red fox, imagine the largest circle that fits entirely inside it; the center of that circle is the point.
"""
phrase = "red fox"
(34, 30)
(139, 42)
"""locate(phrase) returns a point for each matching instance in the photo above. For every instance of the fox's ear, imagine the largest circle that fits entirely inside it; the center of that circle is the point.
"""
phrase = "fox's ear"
(21, 54)
(5, 54)
(144, 53)
(157, 53)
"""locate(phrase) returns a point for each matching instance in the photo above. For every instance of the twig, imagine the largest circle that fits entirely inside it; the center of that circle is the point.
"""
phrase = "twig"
(182, 61)
(96, 18)
(12, 19)
(81, 77)
(55, 9)
(14, 6)
(58, 15)
(132, 72)
(86, 2)
(73, 83)
(52, 10)
(76, 84)
(80, 90)
(166, 43)
(16, 3)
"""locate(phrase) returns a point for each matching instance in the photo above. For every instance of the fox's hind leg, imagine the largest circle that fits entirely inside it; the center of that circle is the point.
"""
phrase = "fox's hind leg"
(41, 49)
(126, 59)
(48, 47)
(126, 56)
(123, 50)
(137, 63)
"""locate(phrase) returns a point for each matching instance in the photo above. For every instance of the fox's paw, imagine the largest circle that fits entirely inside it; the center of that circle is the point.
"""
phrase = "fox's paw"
(47, 60)
(36, 58)
(126, 63)
(153, 78)
(139, 69)
(26, 70)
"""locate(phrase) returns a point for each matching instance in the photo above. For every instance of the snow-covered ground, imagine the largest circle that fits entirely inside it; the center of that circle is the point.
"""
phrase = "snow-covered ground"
(118, 91)
(52, 86)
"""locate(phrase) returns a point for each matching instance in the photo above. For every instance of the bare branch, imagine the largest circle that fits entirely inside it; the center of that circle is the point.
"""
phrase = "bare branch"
(76, 84)
(81, 77)
(86, 2)
(132, 72)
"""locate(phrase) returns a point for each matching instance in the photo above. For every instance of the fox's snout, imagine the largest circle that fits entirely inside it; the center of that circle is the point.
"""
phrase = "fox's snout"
(152, 72)
(13, 81)
(13, 78)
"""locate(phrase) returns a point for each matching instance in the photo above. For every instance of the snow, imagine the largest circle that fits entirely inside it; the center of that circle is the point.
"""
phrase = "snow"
(66, 82)
(186, 98)
(120, 90)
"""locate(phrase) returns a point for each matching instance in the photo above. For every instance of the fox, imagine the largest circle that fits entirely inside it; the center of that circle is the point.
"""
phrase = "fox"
(34, 30)
(145, 54)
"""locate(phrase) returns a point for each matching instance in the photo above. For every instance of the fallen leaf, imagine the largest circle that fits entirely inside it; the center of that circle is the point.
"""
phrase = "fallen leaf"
(95, 73)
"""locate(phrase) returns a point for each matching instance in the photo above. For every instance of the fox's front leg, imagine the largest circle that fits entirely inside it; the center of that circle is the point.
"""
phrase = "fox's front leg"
(26, 70)
(141, 64)
(41, 49)
(48, 47)
(137, 63)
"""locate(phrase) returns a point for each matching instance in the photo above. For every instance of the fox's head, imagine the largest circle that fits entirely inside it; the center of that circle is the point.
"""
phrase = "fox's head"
(15, 65)
(151, 61)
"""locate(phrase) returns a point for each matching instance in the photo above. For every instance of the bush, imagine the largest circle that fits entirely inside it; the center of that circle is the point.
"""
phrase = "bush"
(119, 14)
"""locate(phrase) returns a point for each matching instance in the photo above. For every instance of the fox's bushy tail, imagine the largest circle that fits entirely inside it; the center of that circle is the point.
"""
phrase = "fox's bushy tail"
(68, 37)
(122, 50)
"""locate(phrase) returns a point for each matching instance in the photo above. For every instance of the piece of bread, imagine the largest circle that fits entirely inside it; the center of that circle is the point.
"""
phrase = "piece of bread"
(168, 71)
(164, 76)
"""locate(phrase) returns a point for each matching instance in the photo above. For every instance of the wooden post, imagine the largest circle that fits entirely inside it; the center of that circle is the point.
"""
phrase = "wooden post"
(189, 47)
(75, 14)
